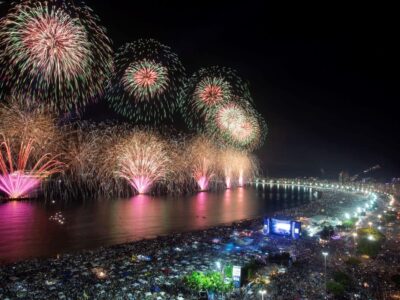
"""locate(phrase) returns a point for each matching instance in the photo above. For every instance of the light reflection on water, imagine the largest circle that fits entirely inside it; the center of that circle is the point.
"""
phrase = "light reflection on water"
(26, 231)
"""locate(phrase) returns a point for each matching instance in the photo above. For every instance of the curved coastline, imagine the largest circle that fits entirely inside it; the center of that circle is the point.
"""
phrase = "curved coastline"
(167, 253)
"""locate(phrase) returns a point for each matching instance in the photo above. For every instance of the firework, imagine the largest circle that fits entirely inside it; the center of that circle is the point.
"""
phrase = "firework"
(208, 88)
(237, 125)
(22, 175)
(228, 163)
(246, 167)
(79, 178)
(235, 167)
(142, 159)
(19, 125)
(202, 158)
(146, 81)
(55, 52)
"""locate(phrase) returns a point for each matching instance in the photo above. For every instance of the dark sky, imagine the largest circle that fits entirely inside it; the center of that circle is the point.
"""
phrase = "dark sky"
(324, 76)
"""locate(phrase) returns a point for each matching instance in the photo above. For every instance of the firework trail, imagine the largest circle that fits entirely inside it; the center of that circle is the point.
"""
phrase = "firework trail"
(146, 82)
(55, 52)
(22, 175)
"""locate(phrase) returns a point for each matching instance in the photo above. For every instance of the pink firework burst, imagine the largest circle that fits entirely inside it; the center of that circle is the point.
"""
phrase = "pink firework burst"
(18, 185)
(228, 182)
(241, 179)
(203, 173)
(202, 155)
(141, 184)
(17, 180)
(203, 182)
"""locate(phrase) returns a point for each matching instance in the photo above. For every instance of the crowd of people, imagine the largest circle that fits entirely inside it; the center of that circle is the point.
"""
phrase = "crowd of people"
(154, 269)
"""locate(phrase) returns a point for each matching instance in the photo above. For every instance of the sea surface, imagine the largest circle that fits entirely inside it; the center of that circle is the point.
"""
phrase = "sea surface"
(42, 229)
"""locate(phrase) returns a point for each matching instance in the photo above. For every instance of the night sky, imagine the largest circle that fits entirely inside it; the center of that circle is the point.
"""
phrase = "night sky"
(322, 75)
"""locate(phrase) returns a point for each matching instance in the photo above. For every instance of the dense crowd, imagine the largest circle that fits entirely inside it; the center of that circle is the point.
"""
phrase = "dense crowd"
(154, 269)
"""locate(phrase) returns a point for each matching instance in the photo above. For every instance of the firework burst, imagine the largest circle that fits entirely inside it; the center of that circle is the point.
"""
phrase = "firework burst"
(21, 175)
(211, 91)
(146, 81)
(208, 88)
(142, 159)
(228, 163)
(235, 167)
(236, 125)
(41, 128)
(55, 52)
(202, 156)
(246, 168)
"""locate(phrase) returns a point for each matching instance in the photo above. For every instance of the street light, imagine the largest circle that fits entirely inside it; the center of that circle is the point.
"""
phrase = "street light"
(354, 237)
(218, 265)
(220, 268)
(370, 224)
(262, 292)
(325, 254)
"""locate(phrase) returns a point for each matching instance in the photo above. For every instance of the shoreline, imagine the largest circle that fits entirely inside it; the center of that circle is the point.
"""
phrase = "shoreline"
(125, 272)
(87, 231)
(229, 225)
(235, 224)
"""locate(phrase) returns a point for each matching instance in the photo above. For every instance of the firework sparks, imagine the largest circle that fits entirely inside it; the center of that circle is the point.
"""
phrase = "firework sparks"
(205, 90)
(246, 167)
(146, 81)
(212, 90)
(237, 126)
(17, 179)
(228, 160)
(55, 52)
(17, 185)
(54, 43)
(236, 166)
(19, 125)
(203, 161)
(142, 160)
